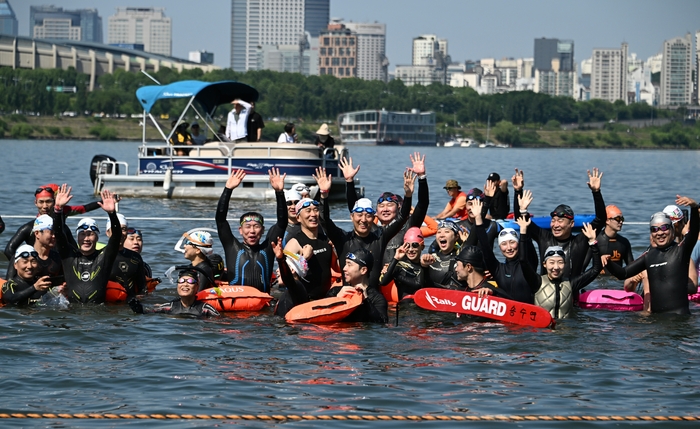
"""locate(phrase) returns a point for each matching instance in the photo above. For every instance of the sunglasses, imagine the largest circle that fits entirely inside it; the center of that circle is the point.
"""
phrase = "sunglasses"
(474, 197)
(189, 280)
(292, 203)
(85, 227)
(618, 219)
(414, 245)
(132, 231)
(308, 204)
(555, 253)
(561, 214)
(369, 210)
(25, 255)
(40, 190)
(665, 227)
(390, 199)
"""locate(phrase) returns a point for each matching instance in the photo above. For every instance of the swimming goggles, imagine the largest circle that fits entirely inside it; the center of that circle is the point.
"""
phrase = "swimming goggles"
(414, 245)
(369, 210)
(189, 280)
(618, 219)
(292, 203)
(389, 199)
(561, 213)
(85, 227)
(554, 253)
(665, 227)
(471, 197)
(132, 231)
(308, 204)
(449, 225)
(355, 258)
(257, 219)
(40, 190)
(508, 232)
(25, 255)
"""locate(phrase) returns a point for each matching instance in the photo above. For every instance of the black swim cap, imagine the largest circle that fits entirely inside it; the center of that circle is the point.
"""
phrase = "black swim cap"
(217, 266)
(472, 255)
(362, 257)
(563, 210)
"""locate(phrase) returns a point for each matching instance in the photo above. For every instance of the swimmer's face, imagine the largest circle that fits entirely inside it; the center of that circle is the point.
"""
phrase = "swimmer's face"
(614, 225)
(462, 270)
(308, 217)
(26, 267)
(46, 238)
(123, 239)
(186, 289)
(134, 242)
(251, 232)
(554, 267)
(413, 253)
(661, 238)
(87, 240)
(45, 205)
(446, 239)
(561, 227)
(291, 209)
(190, 251)
(362, 223)
(509, 249)
(353, 272)
(386, 211)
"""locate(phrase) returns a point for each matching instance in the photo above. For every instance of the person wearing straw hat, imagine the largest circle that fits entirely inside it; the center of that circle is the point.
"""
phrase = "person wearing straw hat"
(324, 140)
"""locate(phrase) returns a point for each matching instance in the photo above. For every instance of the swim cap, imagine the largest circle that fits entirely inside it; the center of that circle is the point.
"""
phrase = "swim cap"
(612, 211)
(292, 195)
(297, 263)
(508, 234)
(217, 266)
(449, 225)
(494, 177)
(562, 210)
(87, 223)
(674, 212)
(362, 205)
(305, 201)
(472, 255)
(553, 251)
(475, 193)
(660, 218)
(201, 240)
(301, 188)
(122, 222)
(388, 197)
(361, 257)
(46, 191)
(43, 222)
(27, 250)
(413, 235)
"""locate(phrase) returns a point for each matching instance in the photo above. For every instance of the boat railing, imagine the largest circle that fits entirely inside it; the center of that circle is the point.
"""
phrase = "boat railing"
(235, 150)
(109, 168)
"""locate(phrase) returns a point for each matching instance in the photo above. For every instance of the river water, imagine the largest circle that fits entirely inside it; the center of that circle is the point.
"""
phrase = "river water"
(109, 360)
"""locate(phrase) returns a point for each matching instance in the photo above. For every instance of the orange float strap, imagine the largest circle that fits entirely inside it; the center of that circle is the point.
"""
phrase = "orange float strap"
(151, 284)
(326, 310)
(115, 292)
(225, 297)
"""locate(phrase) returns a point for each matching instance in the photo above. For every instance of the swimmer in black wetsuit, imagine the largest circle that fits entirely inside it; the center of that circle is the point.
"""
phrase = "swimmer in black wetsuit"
(187, 304)
(250, 262)
(48, 259)
(492, 228)
(471, 269)
(292, 197)
(666, 263)
(405, 268)
(86, 269)
(198, 246)
(25, 288)
(441, 263)
(2, 225)
(294, 271)
(128, 269)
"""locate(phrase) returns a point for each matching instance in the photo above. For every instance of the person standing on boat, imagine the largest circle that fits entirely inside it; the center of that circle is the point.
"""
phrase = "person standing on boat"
(237, 123)
(250, 262)
(499, 207)
(324, 140)
(456, 208)
(255, 125)
(198, 138)
(289, 135)
(666, 263)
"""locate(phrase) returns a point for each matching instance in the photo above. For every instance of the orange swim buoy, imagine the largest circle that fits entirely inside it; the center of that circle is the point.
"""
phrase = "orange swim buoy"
(326, 310)
(227, 297)
(151, 284)
(390, 292)
(115, 292)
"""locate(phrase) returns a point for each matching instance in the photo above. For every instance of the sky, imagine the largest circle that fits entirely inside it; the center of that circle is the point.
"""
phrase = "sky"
(474, 29)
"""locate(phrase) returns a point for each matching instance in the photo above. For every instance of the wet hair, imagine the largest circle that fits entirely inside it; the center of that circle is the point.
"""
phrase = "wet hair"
(288, 128)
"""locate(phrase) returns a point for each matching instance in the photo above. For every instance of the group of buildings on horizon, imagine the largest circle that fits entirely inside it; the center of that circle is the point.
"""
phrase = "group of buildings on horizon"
(299, 36)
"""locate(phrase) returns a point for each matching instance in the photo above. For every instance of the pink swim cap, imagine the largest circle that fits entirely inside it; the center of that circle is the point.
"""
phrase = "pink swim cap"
(413, 235)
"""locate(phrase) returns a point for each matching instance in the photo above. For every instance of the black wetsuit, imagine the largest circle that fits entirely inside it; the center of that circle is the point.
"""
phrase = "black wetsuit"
(175, 307)
(490, 227)
(667, 271)
(18, 291)
(492, 286)
(129, 271)
(415, 219)
(618, 248)
(499, 206)
(374, 307)
(87, 276)
(575, 246)
(50, 266)
(249, 265)
(2, 225)
(206, 277)
(296, 292)
(319, 276)
(508, 275)
(441, 273)
(408, 276)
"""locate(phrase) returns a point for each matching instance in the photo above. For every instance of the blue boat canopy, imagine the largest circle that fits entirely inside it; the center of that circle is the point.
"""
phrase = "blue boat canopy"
(207, 94)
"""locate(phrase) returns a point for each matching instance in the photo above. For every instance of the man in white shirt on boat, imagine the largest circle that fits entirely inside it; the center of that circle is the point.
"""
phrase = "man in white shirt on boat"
(236, 126)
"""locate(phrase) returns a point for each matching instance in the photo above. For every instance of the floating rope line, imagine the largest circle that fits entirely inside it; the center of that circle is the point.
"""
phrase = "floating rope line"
(356, 417)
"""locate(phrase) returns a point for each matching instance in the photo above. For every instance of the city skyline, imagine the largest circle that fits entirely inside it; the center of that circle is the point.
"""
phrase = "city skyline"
(474, 30)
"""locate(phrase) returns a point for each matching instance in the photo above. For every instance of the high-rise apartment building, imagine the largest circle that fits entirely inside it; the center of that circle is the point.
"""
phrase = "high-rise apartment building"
(257, 23)
(609, 74)
(51, 22)
(8, 20)
(372, 63)
(425, 49)
(697, 68)
(142, 26)
(548, 49)
(337, 51)
(676, 84)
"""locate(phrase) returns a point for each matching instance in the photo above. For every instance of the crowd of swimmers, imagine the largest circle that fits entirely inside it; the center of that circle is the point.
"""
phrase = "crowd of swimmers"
(316, 258)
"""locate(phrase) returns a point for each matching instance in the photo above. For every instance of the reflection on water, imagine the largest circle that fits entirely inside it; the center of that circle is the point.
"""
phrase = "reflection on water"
(106, 359)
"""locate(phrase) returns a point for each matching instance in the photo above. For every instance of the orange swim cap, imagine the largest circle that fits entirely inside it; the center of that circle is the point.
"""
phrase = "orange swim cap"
(612, 211)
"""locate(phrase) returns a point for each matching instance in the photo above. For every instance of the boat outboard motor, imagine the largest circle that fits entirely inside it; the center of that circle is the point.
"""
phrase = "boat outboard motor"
(106, 169)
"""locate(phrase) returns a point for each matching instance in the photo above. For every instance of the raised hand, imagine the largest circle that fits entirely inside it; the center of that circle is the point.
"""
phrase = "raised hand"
(523, 224)
(108, 203)
(323, 180)
(401, 251)
(277, 248)
(418, 163)
(594, 179)
(235, 179)
(525, 200)
(409, 182)
(518, 180)
(490, 188)
(588, 231)
(477, 207)
(463, 234)
(62, 196)
(685, 201)
(276, 180)
(427, 260)
(348, 170)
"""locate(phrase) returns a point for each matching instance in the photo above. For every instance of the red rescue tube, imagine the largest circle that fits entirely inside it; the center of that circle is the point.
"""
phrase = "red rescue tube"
(326, 310)
(115, 292)
(235, 298)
